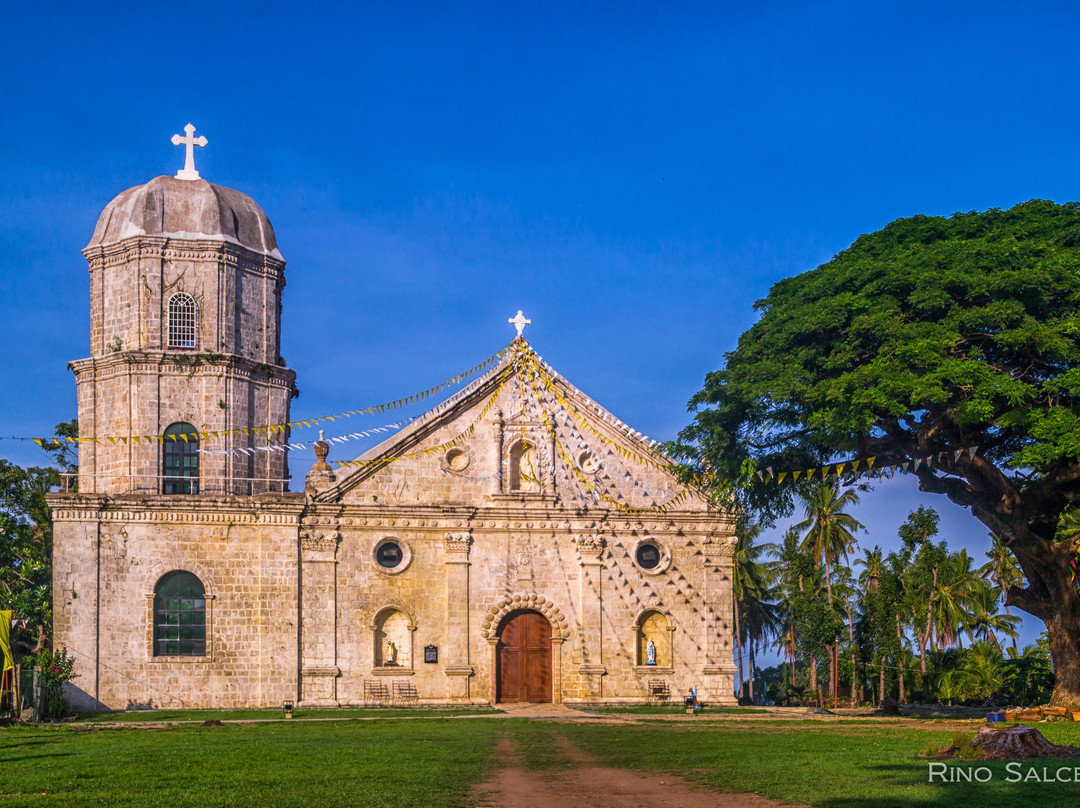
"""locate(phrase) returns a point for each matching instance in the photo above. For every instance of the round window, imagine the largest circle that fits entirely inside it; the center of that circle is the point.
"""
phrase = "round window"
(389, 555)
(457, 460)
(589, 463)
(648, 555)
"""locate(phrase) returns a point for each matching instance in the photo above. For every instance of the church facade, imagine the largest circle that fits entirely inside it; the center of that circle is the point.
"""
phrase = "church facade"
(515, 543)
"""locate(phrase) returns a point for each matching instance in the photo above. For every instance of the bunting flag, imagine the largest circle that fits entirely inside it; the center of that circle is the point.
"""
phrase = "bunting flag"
(55, 443)
(867, 465)
(442, 447)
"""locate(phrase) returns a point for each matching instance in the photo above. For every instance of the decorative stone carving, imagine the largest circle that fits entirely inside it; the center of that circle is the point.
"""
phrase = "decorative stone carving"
(590, 545)
(559, 628)
(458, 542)
(319, 539)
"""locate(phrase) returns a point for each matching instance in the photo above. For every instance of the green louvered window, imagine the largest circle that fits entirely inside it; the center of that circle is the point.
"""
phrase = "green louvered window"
(180, 460)
(179, 615)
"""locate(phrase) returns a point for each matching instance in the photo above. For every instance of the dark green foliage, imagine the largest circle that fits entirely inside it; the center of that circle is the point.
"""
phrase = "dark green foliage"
(931, 335)
(26, 551)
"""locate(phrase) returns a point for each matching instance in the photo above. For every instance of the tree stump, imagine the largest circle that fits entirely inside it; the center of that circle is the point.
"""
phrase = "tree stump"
(1017, 743)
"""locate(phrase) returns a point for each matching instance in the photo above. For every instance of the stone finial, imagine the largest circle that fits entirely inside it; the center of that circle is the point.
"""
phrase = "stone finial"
(188, 172)
(321, 475)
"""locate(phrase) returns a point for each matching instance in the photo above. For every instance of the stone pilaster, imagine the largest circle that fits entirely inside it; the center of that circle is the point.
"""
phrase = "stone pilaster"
(319, 669)
(457, 664)
(719, 668)
(590, 631)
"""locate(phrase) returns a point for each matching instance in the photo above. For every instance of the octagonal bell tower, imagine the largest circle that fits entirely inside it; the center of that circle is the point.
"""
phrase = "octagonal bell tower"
(185, 326)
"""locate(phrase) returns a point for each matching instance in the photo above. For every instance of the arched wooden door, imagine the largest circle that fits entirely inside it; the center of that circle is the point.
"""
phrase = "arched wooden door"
(523, 658)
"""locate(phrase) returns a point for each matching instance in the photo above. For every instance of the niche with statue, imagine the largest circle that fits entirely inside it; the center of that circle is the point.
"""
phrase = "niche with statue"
(654, 641)
(392, 632)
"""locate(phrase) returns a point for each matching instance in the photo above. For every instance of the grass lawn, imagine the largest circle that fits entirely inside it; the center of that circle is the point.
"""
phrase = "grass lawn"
(303, 763)
(433, 762)
(821, 764)
(670, 709)
(275, 713)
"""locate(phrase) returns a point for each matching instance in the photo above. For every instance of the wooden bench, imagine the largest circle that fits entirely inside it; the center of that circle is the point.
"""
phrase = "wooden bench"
(376, 693)
(405, 692)
(658, 689)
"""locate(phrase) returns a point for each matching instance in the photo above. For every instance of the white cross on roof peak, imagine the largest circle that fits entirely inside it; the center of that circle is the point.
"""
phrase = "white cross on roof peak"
(188, 172)
(519, 322)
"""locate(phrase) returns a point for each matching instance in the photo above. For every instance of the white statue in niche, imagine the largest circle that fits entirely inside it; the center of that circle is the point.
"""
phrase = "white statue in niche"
(650, 652)
(390, 655)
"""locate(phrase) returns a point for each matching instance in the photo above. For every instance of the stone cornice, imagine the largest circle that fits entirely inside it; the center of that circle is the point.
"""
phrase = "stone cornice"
(165, 363)
(555, 519)
(264, 510)
(232, 255)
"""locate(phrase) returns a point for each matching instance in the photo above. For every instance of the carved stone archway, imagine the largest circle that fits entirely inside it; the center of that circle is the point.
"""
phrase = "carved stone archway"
(560, 632)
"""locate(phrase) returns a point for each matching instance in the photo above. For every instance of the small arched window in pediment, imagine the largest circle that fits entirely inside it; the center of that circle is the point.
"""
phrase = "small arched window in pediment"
(183, 321)
(524, 470)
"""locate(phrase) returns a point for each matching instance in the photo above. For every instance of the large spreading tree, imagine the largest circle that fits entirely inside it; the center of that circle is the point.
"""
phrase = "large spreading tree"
(929, 336)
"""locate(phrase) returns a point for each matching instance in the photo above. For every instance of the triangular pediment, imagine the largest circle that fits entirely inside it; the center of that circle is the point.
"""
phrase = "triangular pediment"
(520, 433)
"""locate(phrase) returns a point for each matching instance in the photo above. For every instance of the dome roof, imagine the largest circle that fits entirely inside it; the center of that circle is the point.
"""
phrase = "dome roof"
(186, 209)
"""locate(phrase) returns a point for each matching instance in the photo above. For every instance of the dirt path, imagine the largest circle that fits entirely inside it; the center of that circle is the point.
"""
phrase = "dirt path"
(588, 785)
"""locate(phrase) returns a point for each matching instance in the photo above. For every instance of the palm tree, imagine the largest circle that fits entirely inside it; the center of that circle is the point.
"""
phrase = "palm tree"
(787, 583)
(952, 606)
(873, 564)
(1002, 568)
(986, 620)
(829, 530)
(749, 578)
(761, 621)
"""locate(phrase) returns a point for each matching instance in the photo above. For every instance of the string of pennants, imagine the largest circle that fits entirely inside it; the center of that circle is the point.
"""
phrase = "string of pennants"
(272, 431)
(866, 466)
(538, 374)
(282, 447)
(442, 447)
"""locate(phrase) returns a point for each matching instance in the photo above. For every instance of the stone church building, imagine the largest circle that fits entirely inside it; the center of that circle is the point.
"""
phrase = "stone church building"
(515, 543)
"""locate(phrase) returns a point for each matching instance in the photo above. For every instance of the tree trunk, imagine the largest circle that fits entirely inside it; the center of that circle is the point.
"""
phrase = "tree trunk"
(881, 683)
(1052, 597)
(851, 638)
(1018, 742)
(793, 656)
(751, 671)
(832, 673)
(925, 637)
(813, 679)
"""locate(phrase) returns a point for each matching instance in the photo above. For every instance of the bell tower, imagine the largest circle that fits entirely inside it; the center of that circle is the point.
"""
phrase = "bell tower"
(185, 362)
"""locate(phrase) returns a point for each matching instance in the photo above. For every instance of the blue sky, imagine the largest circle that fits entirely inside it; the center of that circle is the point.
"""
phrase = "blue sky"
(632, 175)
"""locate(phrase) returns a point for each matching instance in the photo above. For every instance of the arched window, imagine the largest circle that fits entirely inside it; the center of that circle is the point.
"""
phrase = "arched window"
(180, 460)
(183, 321)
(524, 473)
(179, 615)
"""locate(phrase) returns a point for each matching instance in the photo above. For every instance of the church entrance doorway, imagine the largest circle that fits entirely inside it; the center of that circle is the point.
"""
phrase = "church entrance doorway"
(523, 659)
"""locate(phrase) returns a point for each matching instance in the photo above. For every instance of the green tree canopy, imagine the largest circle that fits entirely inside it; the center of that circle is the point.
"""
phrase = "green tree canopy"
(930, 335)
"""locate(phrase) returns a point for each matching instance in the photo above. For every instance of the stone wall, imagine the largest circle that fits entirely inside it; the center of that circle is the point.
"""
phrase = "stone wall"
(133, 384)
(110, 554)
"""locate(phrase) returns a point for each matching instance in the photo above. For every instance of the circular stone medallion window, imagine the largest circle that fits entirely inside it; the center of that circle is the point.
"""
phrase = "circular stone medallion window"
(392, 556)
(651, 556)
(457, 460)
(589, 463)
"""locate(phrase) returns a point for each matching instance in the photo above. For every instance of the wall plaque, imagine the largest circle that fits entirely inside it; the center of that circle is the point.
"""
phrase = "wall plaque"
(431, 653)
